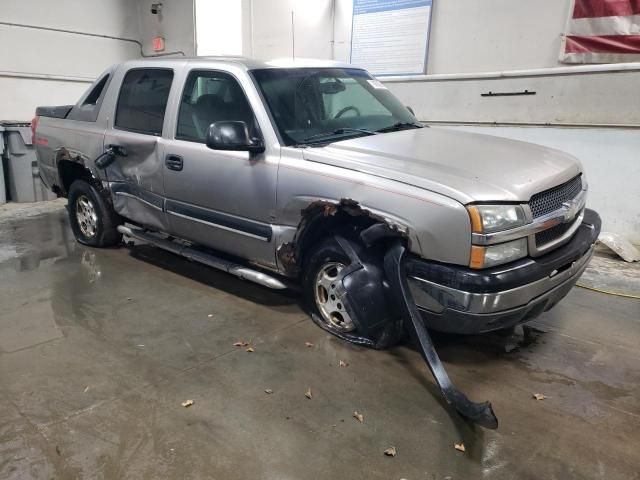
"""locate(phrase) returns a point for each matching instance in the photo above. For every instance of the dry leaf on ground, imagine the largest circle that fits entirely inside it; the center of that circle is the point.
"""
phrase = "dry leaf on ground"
(343, 363)
(250, 349)
(241, 343)
(459, 446)
(539, 396)
(187, 403)
(308, 393)
(308, 344)
(268, 391)
(358, 416)
(390, 452)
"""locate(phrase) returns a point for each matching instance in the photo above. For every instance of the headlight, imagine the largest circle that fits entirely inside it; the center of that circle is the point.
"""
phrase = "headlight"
(489, 219)
(489, 256)
(495, 218)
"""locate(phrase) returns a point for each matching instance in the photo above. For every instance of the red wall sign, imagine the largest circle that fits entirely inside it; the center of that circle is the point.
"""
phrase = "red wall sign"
(158, 44)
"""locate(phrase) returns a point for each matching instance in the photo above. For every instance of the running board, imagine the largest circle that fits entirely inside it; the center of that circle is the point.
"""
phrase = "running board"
(239, 271)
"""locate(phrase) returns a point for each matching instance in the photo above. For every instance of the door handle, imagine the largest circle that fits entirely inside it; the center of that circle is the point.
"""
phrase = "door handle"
(174, 162)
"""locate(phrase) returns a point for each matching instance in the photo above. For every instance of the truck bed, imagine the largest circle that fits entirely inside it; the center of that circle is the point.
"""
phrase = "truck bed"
(60, 111)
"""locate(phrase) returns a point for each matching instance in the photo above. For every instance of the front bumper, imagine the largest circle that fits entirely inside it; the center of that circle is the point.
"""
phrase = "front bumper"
(457, 299)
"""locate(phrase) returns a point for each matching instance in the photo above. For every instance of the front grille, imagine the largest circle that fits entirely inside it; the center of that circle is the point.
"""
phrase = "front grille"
(553, 233)
(552, 199)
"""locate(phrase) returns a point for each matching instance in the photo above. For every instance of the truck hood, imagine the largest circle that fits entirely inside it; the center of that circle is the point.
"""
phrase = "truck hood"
(467, 167)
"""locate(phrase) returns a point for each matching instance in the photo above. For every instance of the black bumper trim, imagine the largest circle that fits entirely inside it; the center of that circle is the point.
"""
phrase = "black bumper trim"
(465, 323)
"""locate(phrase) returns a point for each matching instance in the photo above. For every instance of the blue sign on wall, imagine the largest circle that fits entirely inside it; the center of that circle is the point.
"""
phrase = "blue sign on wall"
(371, 6)
(390, 37)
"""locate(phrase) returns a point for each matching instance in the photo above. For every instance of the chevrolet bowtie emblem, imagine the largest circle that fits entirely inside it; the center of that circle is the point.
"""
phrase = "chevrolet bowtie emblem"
(569, 210)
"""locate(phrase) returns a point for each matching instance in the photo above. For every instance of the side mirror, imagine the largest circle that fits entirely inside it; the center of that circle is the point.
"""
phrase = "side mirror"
(233, 135)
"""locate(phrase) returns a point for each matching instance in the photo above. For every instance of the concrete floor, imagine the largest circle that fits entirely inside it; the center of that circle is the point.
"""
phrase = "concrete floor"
(98, 348)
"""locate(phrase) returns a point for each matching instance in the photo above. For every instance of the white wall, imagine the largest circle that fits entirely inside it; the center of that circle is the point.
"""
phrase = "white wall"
(342, 30)
(219, 28)
(43, 67)
(571, 98)
(26, 52)
(175, 23)
(272, 28)
(480, 36)
(247, 28)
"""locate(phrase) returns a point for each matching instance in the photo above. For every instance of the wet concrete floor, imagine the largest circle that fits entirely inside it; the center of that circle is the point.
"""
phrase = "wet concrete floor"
(99, 348)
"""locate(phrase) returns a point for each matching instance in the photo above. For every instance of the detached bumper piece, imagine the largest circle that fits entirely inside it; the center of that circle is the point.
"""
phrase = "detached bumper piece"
(457, 299)
(395, 269)
(380, 310)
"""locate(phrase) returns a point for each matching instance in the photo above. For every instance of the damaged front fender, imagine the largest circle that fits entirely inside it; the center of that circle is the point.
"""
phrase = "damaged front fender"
(373, 288)
(326, 217)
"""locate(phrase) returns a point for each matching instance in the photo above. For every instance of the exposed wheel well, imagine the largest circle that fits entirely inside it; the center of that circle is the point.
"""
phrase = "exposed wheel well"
(70, 171)
(321, 220)
(321, 227)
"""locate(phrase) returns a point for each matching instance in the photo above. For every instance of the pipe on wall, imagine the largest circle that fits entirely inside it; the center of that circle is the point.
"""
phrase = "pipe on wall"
(534, 72)
(95, 35)
(46, 76)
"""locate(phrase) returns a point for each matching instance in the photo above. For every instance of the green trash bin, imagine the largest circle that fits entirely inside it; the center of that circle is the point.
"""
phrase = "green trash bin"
(21, 164)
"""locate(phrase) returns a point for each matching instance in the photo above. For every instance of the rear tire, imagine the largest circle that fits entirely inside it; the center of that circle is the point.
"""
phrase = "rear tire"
(92, 218)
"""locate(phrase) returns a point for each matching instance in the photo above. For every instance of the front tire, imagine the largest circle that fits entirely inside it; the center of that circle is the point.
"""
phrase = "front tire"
(321, 273)
(92, 218)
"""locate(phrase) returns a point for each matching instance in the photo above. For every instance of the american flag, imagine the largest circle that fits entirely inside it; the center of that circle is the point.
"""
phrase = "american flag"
(603, 31)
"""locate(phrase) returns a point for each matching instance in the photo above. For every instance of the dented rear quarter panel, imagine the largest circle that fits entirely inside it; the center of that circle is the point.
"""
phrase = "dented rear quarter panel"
(63, 139)
(437, 227)
(76, 138)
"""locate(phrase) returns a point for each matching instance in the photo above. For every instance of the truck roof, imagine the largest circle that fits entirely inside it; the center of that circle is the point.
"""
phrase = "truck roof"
(245, 62)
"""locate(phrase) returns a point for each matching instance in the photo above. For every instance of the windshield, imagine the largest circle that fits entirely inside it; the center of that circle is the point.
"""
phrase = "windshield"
(322, 105)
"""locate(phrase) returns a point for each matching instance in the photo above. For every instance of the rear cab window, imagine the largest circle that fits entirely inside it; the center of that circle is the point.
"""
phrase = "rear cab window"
(142, 101)
(96, 93)
(88, 108)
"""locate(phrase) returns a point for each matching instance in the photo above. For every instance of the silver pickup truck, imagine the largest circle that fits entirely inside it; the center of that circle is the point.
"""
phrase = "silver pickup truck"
(310, 173)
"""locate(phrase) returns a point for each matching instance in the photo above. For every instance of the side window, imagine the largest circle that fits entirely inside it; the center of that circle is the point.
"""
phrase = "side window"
(210, 97)
(95, 94)
(88, 109)
(143, 100)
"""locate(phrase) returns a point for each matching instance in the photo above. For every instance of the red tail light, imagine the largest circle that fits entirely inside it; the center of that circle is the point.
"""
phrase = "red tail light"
(34, 125)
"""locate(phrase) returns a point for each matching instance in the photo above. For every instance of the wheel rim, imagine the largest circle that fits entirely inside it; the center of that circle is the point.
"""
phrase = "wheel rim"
(86, 216)
(331, 308)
